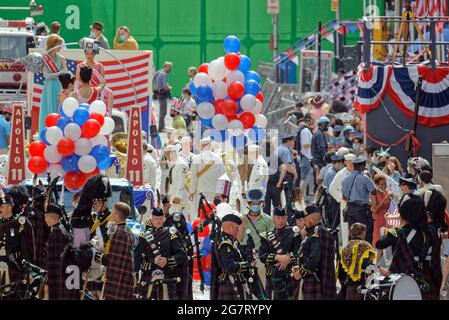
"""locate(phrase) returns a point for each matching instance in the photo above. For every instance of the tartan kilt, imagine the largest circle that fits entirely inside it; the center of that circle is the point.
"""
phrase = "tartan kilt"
(227, 292)
(126, 291)
(311, 289)
(352, 292)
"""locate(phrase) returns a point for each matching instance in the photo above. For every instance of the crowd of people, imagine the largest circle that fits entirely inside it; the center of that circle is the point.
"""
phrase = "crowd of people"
(308, 219)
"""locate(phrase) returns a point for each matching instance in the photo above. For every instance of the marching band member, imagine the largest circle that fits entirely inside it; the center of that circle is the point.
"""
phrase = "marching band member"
(222, 190)
(166, 164)
(316, 259)
(277, 252)
(118, 258)
(177, 190)
(149, 165)
(207, 168)
(58, 239)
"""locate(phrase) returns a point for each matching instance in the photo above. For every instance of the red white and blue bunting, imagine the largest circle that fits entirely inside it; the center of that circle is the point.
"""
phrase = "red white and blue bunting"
(400, 85)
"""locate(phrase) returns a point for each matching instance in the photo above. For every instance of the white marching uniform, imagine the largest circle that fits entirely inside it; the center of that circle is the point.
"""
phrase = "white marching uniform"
(149, 170)
(177, 187)
(335, 191)
(207, 168)
(165, 169)
(258, 178)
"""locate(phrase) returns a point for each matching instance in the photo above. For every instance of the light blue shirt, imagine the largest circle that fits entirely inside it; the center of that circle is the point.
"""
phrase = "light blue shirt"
(361, 188)
(285, 154)
(160, 80)
(5, 130)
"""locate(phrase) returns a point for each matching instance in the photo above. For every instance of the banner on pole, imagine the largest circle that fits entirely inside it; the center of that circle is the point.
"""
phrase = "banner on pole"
(134, 158)
(16, 167)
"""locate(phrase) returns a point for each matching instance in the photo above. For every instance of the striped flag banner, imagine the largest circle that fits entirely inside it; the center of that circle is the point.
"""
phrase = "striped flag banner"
(393, 213)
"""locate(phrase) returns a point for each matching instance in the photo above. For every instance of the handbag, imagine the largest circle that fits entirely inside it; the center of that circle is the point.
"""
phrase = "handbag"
(345, 210)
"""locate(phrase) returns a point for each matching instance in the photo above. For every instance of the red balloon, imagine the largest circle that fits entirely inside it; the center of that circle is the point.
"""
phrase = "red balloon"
(232, 117)
(206, 262)
(206, 229)
(232, 61)
(74, 180)
(248, 119)
(260, 96)
(66, 147)
(91, 128)
(37, 149)
(229, 107)
(204, 68)
(37, 165)
(218, 104)
(97, 116)
(93, 173)
(236, 90)
(51, 119)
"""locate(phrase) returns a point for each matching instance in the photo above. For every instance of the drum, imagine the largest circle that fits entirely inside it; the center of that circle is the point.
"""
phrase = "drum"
(394, 287)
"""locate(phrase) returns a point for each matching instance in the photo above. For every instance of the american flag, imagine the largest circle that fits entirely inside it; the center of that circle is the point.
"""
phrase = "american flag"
(431, 8)
(117, 80)
(344, 88)
(393, 212)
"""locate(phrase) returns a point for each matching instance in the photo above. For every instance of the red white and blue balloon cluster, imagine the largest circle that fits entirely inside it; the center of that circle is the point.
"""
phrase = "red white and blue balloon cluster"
(228, 96)
(74, 143)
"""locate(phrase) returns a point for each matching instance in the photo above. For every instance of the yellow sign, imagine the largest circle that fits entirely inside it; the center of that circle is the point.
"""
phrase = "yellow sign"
(334, 5)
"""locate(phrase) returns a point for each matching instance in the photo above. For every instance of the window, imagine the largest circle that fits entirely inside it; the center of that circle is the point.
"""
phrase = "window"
(13, 47)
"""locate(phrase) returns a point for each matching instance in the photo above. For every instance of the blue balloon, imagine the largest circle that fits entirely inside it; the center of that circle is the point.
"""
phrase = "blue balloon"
(218, 135)
(252, 75)
(207, 123)
(84, 105)
(192, 88)
(80, 116)
(207, 277)
(251, 87)
(189, 226)
(245, 64)
(62, 122)
(257, 133)
(204, 93)
(43, 138)
(100, 153)
(105, 164)
(231, 44)
(207, 246)
(70, 164)
(239, 142)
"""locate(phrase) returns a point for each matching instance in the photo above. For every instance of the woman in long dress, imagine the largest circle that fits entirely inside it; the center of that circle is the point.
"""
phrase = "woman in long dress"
(97, 77)
(54, 65)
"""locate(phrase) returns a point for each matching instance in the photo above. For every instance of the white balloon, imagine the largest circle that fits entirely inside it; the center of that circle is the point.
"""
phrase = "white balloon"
(219, 89)
(98, 106)
(235, 127)
(83, 146)
(248, 102)
(217, 69)
(87, 163)
(52, 155)
(220, 122)
(108, 126)
(206, 110)
(202, 79)
(257, 108)
(261, 121)
(72, 131)
(53, 135)
(234, 75)
(99, 139)
(69, 106)
(56, 170)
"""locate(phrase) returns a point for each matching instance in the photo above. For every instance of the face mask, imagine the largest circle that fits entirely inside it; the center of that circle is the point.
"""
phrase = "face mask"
(325, 129)
(217, 201)
(255, 208)
(356, 147)
(336, 134)
(122, 38)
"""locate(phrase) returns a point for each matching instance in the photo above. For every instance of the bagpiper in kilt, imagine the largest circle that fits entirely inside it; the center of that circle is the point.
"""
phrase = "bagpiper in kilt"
(159, 257)
(14, 247)
(233, 267)
(184, 270)
(277, 252)
(118, 258)
(58, 239)
(316, 259)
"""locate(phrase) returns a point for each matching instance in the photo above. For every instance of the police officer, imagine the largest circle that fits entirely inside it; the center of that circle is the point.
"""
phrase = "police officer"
(356, 190)
(158, 257)
(15, 246)
(408, 185)
(277, 251)
(233, 266)
(319, 143)
(348, 135)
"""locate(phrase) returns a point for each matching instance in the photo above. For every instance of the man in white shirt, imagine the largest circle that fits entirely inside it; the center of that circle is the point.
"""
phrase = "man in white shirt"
(304, 148)
(335, 190)
(176, 177)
